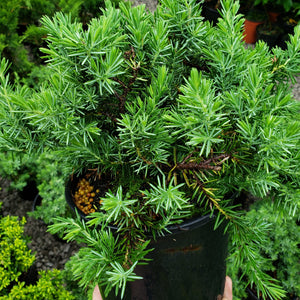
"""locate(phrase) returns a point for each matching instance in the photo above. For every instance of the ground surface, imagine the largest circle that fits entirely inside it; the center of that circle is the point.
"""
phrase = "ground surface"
(50, 252)
(150, 4)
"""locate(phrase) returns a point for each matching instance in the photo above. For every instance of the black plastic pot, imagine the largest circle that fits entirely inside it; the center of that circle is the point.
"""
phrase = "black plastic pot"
(69, 192)
(29, 191)
(189, 263)
(211, 14)
(270, 37)
(36, 202)
(288, 28)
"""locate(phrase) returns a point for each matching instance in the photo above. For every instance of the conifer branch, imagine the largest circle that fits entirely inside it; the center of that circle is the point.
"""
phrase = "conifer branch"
(206, 165)
(129, 55)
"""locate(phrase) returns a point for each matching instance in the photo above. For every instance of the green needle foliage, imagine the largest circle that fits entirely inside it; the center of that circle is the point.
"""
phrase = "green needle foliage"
(281, 247)
(21, 34)
(177, 115)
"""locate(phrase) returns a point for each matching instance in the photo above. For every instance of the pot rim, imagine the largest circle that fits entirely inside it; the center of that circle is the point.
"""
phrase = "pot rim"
(186, 225)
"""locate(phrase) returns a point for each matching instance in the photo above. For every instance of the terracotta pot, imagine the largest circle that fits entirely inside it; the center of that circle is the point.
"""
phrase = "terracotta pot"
(250, 35)
(273, 16)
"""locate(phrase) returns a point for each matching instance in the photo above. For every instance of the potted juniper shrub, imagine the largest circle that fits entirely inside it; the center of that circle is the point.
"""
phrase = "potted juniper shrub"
(168, 122)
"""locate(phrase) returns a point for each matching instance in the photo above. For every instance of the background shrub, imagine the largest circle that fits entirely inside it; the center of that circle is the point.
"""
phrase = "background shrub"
(49, 286)
(15, 257)
(280, 249)
(21, 35)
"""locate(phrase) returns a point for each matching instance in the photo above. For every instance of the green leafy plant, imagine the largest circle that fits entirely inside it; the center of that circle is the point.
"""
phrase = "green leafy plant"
(175, 116)
(287, 5)
(15, 257)
(281, 246)
(49, 286)
(21, 34)
(19, 169)
(50, 177)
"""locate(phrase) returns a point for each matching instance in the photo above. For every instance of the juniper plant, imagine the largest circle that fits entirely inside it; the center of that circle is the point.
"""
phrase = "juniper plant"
(178, 115)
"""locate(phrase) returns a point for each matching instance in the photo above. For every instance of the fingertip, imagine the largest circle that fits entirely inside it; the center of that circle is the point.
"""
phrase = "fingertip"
(96, 293)
(228, 288)
(228, 281)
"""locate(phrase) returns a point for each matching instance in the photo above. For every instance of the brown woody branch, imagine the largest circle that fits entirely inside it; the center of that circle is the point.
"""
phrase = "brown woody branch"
(213, 163)
(196, 66)
(129, 55)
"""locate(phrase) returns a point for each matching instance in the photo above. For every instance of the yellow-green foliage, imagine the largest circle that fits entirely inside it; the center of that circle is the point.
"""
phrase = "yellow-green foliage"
(49, 286)
(15, 257)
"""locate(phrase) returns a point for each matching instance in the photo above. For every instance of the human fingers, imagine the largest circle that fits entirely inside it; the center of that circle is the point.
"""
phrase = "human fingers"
(227, 289)
(96, 293)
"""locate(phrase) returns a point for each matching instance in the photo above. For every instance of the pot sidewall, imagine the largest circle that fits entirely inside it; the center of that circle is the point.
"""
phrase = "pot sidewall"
(187, 263)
